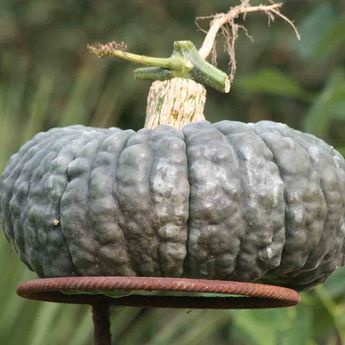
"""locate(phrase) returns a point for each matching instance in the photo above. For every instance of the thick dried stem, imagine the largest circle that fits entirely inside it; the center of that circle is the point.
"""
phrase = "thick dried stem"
(175, 102)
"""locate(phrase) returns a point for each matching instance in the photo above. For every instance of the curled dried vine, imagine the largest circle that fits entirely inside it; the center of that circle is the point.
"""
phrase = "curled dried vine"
(225, 23)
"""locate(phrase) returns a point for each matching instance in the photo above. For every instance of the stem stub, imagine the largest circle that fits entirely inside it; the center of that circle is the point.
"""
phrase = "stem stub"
(175, 102)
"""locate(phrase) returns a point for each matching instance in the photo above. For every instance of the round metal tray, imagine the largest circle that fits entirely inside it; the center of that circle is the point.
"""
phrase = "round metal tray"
(154, 292)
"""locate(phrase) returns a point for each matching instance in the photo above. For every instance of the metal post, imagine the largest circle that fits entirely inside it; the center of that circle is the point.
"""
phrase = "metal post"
(101, 324)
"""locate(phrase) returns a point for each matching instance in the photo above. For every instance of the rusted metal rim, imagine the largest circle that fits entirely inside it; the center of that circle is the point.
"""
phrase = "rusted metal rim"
(186, 292)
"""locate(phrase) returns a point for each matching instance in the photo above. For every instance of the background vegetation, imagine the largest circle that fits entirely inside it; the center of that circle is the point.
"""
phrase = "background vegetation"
(47, 79)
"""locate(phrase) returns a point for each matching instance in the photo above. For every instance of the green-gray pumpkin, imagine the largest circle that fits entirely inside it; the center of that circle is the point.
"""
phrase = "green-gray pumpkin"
(233, 201)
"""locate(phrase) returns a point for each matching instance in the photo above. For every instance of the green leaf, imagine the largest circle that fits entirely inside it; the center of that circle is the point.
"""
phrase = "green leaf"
(299, 331)
(335, 284)
(259, 327)
(313, 28)
(332, 40)
(275, 82)
(320, 114)
(335, 311)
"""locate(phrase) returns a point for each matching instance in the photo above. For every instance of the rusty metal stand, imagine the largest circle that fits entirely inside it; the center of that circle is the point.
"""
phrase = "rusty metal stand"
(194, 294)
(101, 323)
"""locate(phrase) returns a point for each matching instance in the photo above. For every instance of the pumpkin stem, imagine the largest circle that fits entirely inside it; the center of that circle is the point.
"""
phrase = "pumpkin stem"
(175, 102)
(185, 62)
(176, 97)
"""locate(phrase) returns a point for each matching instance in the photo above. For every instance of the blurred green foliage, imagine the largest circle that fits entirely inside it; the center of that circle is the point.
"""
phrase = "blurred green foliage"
(47, 79)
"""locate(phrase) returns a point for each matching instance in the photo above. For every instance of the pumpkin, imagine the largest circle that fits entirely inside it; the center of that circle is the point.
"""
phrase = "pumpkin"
(249, 202)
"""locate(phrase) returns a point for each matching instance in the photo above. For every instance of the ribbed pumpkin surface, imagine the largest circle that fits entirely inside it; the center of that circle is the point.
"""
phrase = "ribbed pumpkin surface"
(233, 201)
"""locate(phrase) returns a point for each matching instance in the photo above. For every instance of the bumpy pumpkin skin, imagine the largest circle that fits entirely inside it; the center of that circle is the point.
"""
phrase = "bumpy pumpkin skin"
(249, 202)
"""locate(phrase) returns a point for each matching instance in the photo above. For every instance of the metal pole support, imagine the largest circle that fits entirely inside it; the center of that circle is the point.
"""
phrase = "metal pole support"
(101, 323)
